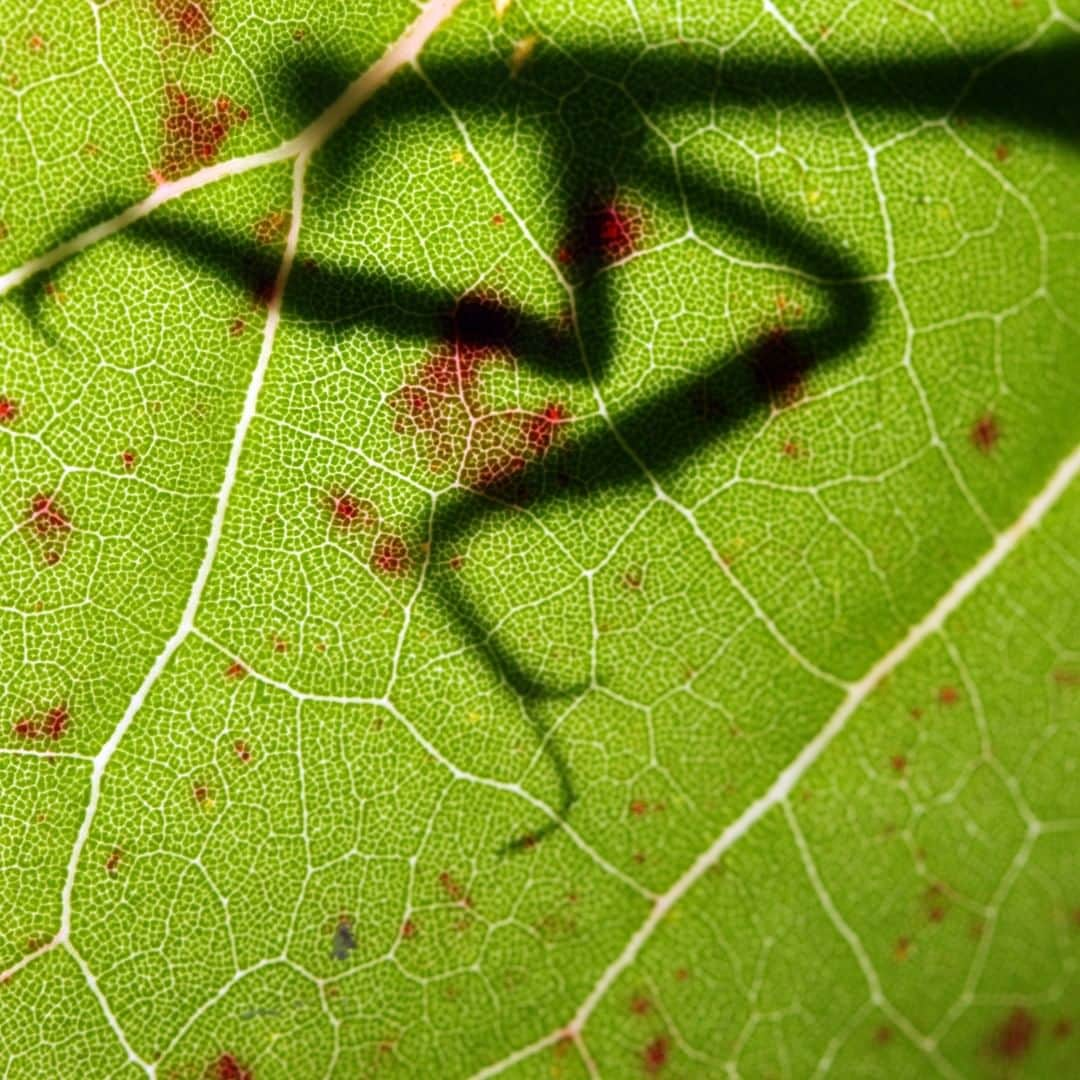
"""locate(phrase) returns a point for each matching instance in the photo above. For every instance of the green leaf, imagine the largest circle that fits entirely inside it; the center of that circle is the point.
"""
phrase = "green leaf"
(540, 540)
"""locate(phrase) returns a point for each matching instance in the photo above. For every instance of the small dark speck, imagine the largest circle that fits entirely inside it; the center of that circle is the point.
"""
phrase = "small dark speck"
(344, 941)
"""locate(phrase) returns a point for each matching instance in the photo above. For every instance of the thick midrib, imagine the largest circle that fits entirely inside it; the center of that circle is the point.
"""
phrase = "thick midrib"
(1005, 542)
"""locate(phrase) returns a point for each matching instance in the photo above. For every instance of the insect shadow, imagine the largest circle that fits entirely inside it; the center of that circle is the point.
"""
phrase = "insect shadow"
(591, 114)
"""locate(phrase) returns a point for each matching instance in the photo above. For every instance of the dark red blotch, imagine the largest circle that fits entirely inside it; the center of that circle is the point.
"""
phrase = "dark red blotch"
(228, 1067)
(50, 725)
(606, 231)
(655, 1055)
(779, 367)
(194, 131)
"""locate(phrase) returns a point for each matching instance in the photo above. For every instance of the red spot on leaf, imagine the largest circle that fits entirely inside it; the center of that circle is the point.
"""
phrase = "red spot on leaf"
(48, 726)
(228, 1067)
(36, 44)
(441, 405)
(456, 562)
(540, 428)
(1001, 152)
(639, 808)
(640, 1005)
(454, 890)
(188, 21)
(408, 930)
(497, 219)
(901, 949)
(9, 410)
(235, 670)
(779, 368)
(47, 519)
(899, 763)
(391, 555)
(985, 433)
(606, 231)
(1062, 1028)
(194, 131)
(883, 1035)
(349, 512)
(129, 459)
(1013, 1037)
(655, 1055)
(948, 695)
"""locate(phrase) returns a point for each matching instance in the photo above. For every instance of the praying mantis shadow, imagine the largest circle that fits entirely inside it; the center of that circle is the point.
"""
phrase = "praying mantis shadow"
(593, 115)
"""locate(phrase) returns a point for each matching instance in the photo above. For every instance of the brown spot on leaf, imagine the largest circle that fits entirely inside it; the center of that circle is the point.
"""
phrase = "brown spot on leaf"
(242, 750)
(113, 861)
(272, 228)
(899, 763)
(454, 890)
(640, 1005)
(985, 433)
(235, 670)
(901, 949)
(883, 1035)
(1013, 1037)
(655, 1055)
(948, 695)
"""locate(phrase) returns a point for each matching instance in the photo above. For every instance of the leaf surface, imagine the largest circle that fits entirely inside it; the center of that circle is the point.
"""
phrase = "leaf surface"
(539, 540)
